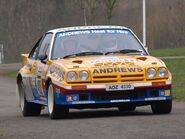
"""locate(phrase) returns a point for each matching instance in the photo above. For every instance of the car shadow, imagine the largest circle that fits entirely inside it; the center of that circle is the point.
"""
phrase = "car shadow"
(104, 113)
(87, 114)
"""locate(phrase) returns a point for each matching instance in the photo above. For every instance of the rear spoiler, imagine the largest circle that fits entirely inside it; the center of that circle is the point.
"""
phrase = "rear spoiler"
(24, 58)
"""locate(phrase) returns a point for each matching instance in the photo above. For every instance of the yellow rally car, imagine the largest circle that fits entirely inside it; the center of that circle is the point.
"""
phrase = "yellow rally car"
(92, 67)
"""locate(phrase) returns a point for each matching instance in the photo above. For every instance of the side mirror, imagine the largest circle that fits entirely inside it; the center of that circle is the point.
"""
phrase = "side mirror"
(42, 58)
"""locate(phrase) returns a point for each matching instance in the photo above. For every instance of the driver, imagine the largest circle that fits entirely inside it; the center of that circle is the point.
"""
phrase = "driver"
(108, 44)
(69, 46)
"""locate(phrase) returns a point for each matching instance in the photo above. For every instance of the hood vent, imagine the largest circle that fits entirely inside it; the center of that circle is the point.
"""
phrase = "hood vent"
(154, 63)
(141, 58)
(77, 61)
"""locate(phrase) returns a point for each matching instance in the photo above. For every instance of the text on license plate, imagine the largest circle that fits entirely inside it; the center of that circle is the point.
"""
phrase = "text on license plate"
(113, 87)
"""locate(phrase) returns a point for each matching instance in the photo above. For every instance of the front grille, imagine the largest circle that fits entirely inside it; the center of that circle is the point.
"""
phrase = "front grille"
(105, 79)
(134, 77)
(83, 97)
(114, 95)
(118, 95)
(118, 78)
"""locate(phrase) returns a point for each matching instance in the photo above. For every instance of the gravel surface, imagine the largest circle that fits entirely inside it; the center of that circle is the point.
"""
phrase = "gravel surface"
(91, 124)
(6, 68)
(13, 66)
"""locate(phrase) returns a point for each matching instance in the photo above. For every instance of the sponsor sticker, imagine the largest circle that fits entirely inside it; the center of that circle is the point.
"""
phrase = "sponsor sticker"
(117, 70)
(111, 59)
(120, 100)
(94, 31)
(155, 98)
(83, 102)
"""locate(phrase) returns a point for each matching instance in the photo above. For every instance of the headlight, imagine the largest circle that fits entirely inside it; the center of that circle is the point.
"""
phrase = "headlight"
(84, 75)
(72, 76)
(162, 72)
(151, 72)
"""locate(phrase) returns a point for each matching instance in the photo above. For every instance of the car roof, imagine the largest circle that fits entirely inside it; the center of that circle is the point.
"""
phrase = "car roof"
(85, 28)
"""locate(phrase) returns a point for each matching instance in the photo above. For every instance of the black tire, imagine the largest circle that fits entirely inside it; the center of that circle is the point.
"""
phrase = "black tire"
(55, 111)
(27, 108)
(162, 107)
(127, 107)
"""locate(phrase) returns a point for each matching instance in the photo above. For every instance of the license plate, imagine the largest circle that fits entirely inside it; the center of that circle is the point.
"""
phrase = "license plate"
(115, 87)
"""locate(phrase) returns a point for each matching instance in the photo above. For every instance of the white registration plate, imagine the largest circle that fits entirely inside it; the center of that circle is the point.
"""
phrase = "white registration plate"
(115, 87)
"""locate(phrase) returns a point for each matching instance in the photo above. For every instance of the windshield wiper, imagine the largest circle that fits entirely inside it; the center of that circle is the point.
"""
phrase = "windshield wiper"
(125, 51)
(83, 54)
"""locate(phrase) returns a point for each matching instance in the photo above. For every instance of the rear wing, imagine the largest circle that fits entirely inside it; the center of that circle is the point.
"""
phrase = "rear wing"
(24, 58)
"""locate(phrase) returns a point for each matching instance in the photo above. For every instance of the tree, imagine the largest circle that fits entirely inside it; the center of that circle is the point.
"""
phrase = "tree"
(89, 10)
(110, 5)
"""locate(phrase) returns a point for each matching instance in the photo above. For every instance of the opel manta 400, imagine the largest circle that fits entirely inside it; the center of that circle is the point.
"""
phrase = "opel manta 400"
(91, 67)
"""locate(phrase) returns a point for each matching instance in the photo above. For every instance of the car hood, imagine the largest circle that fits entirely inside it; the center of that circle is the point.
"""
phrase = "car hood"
(91, 62)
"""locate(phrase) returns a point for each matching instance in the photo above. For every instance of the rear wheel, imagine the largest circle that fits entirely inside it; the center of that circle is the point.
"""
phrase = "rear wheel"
(27, 108)
(55, 111)
(162, 107)
(127, 108)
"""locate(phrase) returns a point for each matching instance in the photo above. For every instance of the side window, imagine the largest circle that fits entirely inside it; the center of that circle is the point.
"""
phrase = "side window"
(44, 47)
(34, 51)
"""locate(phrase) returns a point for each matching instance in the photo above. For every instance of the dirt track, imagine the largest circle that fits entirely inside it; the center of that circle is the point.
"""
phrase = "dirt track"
(102, 123)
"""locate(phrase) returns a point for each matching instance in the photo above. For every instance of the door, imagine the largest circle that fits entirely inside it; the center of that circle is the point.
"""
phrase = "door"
(39, 68)
(31, 82)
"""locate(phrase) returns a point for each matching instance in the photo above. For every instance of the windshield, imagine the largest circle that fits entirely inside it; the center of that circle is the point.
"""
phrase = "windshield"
(93, 41)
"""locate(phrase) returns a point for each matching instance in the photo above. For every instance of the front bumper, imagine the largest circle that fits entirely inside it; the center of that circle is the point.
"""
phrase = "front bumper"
(143, 94)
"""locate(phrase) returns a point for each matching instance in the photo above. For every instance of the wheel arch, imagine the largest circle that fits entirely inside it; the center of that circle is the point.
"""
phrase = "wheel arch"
(48, 80)
(18, 81)
(19, 78)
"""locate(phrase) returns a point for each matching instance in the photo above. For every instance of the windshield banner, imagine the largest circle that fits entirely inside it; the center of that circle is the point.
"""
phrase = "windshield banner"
(97, 31)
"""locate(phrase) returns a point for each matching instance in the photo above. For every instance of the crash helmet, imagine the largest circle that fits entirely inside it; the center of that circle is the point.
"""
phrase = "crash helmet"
(109, 43)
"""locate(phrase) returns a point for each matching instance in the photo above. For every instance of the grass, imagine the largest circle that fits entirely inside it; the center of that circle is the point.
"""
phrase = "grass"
(177, 68)
(168, 52)
(10, 74)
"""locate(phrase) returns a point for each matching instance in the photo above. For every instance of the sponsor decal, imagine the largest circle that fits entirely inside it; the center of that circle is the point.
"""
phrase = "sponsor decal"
(56, 72)
(94, 31)
(39, 87)
(33, 82)
(39, 71)
(83, 102)
(72, 98)
(120, 100)
(112, 59)
(155, 98)
(118, 70)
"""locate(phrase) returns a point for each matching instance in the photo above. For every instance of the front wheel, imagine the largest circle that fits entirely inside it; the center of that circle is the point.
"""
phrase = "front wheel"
(55, 111)
(162, 107)
(27, 108)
